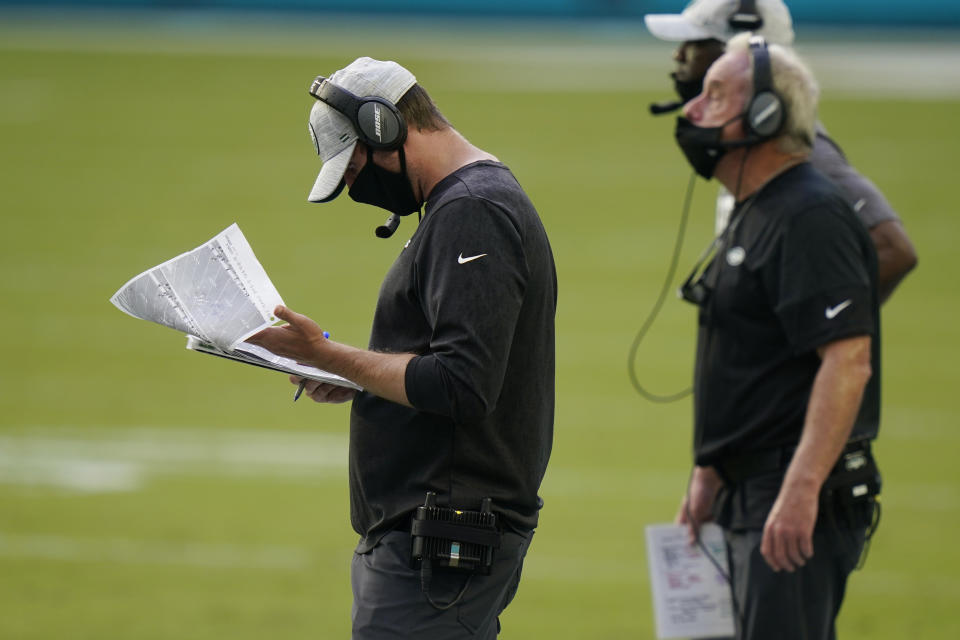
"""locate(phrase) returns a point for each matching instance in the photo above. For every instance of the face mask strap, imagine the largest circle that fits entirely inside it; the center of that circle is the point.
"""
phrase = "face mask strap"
(378, 186)
(733, 144)
(403, 164)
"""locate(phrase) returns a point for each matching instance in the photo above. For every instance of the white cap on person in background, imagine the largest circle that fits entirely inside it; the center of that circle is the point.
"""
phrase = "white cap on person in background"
(710, 19)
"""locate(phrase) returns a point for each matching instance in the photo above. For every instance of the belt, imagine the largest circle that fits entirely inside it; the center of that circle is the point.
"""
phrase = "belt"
(405, 525)
(739, 468)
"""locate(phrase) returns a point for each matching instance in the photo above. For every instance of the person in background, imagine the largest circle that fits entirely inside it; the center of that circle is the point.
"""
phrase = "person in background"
(701, 30)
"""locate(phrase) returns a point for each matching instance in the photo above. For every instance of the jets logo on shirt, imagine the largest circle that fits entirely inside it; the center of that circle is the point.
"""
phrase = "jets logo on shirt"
(736, 256)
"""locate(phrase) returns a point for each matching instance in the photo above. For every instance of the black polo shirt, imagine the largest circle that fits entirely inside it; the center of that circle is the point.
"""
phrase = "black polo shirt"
(473, 294)
(868, 202)
(795, 270)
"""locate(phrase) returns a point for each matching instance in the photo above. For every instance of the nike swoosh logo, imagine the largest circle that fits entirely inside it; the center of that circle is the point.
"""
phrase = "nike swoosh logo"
(831, 312)
(462, 260)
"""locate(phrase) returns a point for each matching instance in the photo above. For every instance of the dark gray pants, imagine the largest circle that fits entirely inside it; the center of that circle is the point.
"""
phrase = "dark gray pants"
(802, 605)
(388, 602)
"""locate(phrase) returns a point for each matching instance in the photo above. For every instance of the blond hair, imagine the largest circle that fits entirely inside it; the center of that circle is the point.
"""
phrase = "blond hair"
(794, 83)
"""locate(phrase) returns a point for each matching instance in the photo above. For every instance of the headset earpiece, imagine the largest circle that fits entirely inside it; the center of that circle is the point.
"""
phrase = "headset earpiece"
(746, 17)
(766, 114)
(381, 124)
(378, 122)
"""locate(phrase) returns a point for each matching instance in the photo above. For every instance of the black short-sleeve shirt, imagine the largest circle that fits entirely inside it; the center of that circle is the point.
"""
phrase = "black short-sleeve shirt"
(868, 202)
(473, 294)
(794, 271)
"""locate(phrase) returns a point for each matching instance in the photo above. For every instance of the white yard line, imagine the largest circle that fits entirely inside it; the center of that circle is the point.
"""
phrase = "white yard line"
(145, 552)
(117, 459)
(98, 460)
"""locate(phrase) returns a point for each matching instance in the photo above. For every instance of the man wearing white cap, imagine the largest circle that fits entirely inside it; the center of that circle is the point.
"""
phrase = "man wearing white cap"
(449, 440)
(702, 29)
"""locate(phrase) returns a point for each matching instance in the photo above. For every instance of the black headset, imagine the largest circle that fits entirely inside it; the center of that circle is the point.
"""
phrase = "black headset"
(378, 122)
(766, 113)
(746, 17)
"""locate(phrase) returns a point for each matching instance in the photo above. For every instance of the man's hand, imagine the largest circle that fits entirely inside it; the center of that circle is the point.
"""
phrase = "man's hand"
(834, 401)
(697, 505)
(301, 339)
(324, 392)
(788, 533)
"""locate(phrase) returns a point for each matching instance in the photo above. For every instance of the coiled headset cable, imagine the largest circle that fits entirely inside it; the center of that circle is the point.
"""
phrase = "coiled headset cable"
(655, 311)
(662, 296)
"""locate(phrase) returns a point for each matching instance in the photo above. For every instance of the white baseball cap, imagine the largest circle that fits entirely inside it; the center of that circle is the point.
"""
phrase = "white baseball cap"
(709, 19)
(332, 132)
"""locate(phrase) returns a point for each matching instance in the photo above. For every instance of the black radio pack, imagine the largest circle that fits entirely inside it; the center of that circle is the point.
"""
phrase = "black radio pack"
(454, 538)
(851, 494)
(855, 478)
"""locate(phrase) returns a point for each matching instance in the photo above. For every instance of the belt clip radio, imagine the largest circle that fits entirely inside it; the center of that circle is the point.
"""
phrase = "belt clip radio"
(855, 478)
(454, 538)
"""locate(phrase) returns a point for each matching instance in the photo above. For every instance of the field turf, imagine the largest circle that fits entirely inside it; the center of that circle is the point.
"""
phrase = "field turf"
(148, 492)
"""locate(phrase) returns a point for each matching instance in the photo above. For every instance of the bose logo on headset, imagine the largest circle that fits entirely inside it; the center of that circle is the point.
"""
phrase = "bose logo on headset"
(377, 121)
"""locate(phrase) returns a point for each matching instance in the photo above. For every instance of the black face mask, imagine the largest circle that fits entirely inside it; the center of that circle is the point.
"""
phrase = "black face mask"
(703, 146)
(687, 89)
(385, 189)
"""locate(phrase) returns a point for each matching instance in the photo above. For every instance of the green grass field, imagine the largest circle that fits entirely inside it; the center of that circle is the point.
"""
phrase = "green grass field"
(148, 492)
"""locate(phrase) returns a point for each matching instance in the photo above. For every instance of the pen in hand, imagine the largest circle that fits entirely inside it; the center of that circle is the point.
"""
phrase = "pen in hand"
(303, 382)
